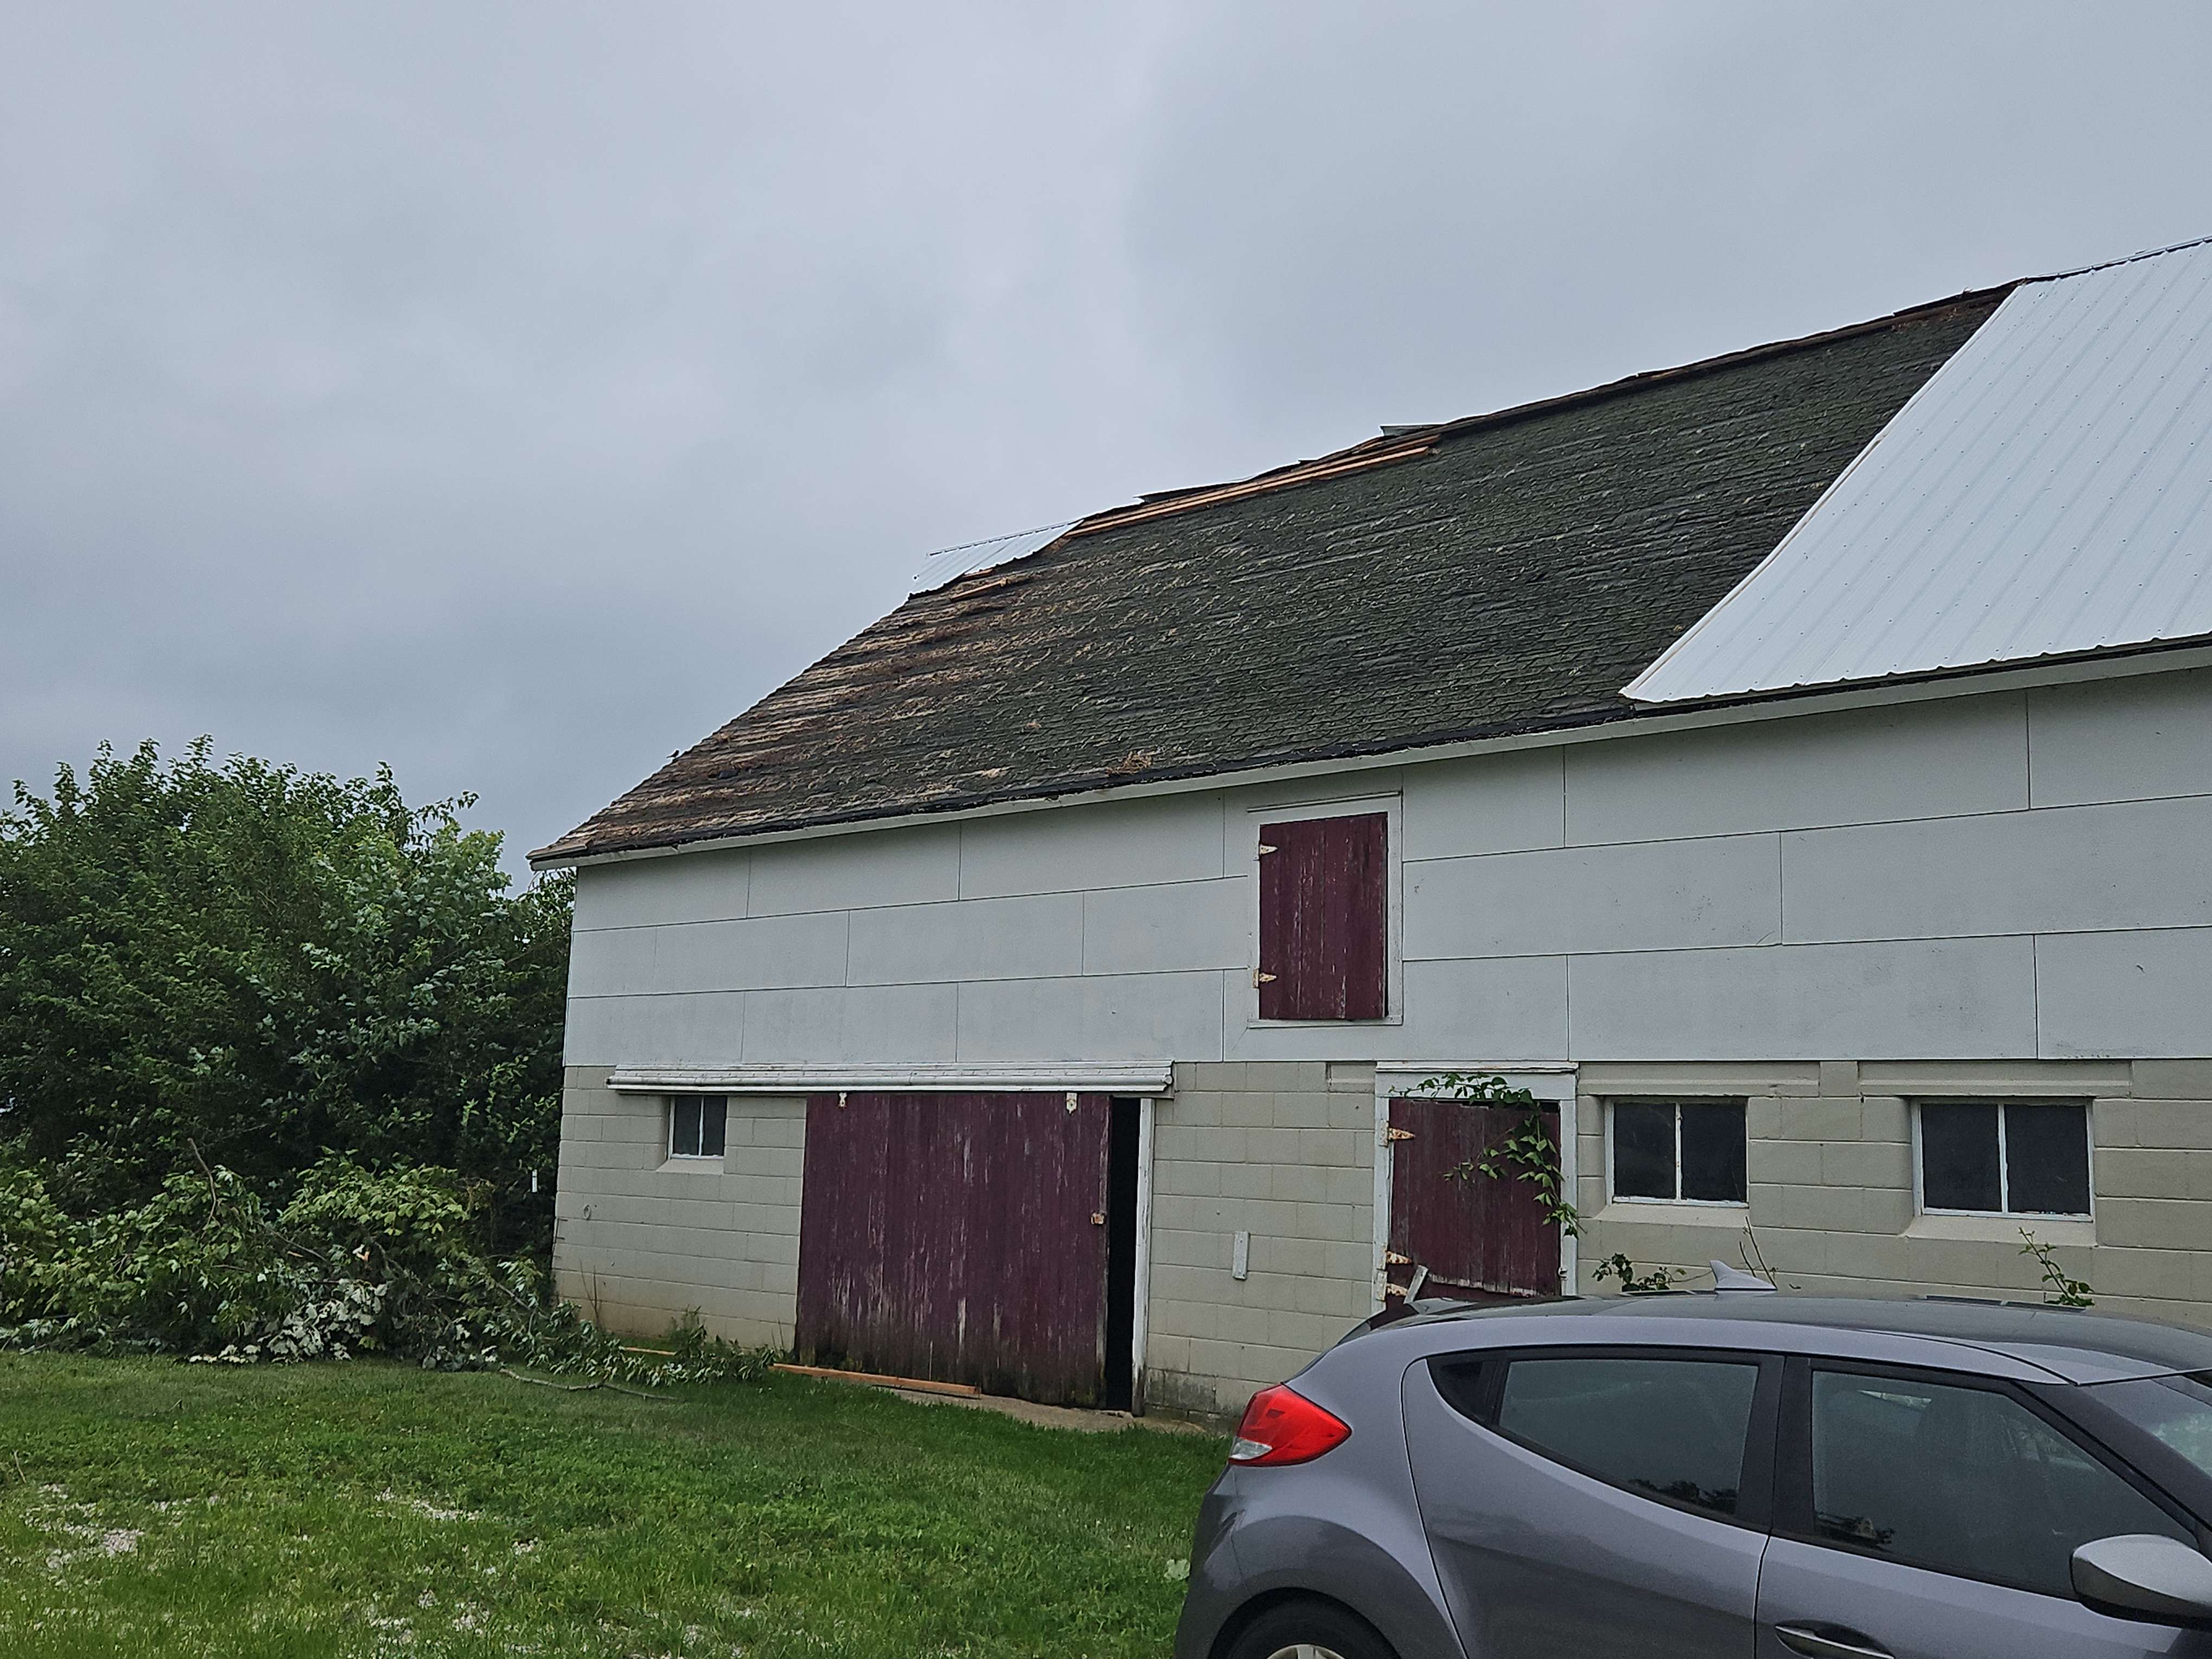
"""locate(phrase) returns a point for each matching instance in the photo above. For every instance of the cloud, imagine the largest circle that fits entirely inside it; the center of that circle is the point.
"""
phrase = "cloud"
(514, 393)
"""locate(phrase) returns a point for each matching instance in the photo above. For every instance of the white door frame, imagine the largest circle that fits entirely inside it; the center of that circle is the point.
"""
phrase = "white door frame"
(1548, 1080)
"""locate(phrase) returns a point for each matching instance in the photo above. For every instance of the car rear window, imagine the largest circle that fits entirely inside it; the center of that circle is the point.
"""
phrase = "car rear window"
(1666, 1428)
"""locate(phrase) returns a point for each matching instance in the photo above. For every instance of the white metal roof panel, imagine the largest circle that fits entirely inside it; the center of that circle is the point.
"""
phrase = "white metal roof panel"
(952, 563)
(2047, 493)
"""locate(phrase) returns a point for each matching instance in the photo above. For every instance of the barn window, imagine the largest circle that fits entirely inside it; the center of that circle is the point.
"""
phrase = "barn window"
(1690, 1152)
(697, 1125)
(1324, 918)
(2010, 1157)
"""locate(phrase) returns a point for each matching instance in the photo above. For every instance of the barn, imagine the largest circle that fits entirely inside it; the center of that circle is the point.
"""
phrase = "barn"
(1770, 798)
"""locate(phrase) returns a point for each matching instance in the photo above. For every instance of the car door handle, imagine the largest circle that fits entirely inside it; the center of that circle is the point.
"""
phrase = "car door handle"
(1829, 1642)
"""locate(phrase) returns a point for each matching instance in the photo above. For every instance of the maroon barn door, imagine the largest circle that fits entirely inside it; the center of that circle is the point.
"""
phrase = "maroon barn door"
(1479, 1239)
(958, 1236)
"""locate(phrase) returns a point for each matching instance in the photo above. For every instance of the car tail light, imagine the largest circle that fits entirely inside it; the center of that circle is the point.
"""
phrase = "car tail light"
(1281, 1426)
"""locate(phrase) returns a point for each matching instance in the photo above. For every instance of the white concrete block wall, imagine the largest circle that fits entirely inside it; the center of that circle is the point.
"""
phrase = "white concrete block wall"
(2010, 875)
(1284, 1151)
(1830, 1162)
(640, 1239)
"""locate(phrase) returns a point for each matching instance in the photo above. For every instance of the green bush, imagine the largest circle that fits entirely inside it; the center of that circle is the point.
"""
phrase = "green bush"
(359, 1262)
(258, 966)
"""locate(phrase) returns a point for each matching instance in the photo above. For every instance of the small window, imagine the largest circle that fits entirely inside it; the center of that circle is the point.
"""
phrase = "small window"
(697, 1125)
(1962, 1481)
(1671, 1429)
(1324, 918)
(1690, 1151)
(2010, 1157)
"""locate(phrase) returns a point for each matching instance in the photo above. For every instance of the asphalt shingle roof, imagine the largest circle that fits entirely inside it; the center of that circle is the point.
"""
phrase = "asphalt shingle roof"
(1500, 575)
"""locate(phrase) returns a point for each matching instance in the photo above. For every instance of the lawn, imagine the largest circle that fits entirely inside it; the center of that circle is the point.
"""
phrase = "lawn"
(148, 1507)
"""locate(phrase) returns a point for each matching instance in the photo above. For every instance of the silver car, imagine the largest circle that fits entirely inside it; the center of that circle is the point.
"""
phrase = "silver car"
(1737, 1473)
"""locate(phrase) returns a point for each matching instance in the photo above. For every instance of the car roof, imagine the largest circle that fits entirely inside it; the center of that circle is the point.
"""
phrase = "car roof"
(2067, 1343)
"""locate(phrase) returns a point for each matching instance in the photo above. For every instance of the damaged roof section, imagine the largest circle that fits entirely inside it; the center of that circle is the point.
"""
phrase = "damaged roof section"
(1490, 577)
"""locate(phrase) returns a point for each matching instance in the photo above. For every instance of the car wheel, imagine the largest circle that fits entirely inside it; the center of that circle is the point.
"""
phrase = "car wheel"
(1309, 1630)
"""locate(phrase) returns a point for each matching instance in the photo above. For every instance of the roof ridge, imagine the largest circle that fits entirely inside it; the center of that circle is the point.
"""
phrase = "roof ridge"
(1403, 442)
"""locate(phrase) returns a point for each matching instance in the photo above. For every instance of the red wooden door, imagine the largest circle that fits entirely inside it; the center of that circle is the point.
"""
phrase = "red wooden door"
(1324, 918)
(1479, 1239)
(958, 1236)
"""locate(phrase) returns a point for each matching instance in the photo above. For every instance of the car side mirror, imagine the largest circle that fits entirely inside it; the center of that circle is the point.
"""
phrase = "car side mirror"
(2142, 1575)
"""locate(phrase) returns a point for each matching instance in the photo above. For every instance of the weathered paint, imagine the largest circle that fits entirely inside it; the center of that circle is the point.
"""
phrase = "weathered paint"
(1479, 1238)
(952, 1236)
(1324, 910)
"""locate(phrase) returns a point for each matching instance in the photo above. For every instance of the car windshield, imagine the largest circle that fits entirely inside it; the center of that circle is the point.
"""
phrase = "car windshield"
(2176, 1411)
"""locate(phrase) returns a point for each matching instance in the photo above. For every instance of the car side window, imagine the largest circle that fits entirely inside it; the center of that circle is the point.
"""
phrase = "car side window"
(1668, 1428)
(1962, 1480)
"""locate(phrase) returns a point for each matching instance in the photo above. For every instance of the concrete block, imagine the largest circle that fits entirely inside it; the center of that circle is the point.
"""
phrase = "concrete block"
(1840, 1077)
(2144, 1172)
(2172, 1124)
(1300, 1183)
(1783, 1162)
(1295, 1110)
(2174, 1079)
(1823, 1119)
(1872, 1163)
(1885, 1117)
(2154, 1224)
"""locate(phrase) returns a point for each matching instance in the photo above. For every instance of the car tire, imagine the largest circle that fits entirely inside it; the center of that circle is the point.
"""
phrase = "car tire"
(1309, 1630)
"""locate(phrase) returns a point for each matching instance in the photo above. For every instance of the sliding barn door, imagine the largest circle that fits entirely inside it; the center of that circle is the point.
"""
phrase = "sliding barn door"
(960, 1238)
(1478, 1239)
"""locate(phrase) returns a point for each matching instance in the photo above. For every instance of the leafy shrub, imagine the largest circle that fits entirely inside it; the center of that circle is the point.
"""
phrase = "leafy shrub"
(258, 964)
(360, 1261)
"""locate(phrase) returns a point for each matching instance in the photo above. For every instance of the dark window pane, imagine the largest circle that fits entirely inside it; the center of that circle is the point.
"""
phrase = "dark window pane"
(1958, 1156)
(1963, 1481)
(1644, 1152)
(683, 1126)
(1712, 1151)
(1667, 1428)
(2047, 1158)
(714, 1123)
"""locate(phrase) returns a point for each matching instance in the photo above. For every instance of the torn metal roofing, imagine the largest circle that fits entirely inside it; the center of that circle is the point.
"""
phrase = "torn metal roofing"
(2047, 493)
(950, 564)
(1483, 578)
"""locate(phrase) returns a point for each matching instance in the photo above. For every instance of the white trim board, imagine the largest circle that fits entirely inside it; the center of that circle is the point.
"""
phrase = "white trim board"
(1146, 1079)
(2164, 659)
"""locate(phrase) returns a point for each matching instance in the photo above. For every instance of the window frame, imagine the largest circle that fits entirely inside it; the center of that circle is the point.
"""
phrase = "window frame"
(1793, 1516)
(668, 1136)
(1677, 1102)
(1394, 919)
(1480, 1404)
(1922, 1206)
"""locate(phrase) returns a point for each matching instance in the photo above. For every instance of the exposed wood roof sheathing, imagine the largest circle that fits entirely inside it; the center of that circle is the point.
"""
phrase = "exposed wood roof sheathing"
(1483, 578)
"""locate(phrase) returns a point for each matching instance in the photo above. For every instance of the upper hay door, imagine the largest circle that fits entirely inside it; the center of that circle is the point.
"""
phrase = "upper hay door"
(1324, 923)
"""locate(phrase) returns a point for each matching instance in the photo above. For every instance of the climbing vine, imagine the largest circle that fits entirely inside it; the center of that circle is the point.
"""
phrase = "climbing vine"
(2059, 1289)
(1529, 1153)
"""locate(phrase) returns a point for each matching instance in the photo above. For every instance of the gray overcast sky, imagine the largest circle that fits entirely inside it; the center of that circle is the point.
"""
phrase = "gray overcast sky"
(516, 393)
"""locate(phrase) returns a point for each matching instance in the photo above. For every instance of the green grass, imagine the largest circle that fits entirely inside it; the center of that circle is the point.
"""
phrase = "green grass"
(152, 1508)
